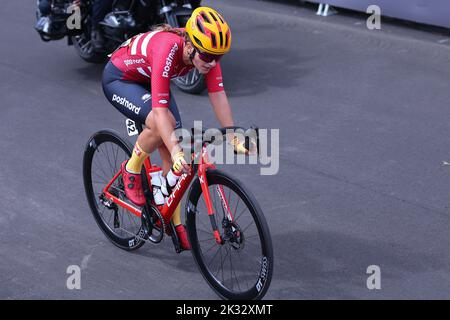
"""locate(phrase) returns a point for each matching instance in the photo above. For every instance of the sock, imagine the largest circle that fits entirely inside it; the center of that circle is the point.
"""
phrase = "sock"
(137, 159)
(176, 217)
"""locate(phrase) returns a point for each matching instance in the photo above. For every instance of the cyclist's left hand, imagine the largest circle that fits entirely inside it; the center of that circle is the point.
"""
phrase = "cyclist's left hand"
(239, 147)
(179, 164)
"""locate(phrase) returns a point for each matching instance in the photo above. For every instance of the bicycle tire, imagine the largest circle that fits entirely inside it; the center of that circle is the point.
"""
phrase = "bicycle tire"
(98, 139)
(257, 288)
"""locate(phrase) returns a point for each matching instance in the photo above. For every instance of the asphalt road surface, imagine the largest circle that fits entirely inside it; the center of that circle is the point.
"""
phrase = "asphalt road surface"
(364, 174)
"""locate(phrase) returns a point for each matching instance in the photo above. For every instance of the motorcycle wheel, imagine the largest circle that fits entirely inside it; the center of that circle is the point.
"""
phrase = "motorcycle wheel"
(85, 50)
(193, 82)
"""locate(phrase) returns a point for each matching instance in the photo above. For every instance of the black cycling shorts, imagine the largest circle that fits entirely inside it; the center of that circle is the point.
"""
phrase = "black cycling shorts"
(132, 99)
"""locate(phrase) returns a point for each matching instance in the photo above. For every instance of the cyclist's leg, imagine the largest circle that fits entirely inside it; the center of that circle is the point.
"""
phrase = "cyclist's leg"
(134, 101)
(175, 120)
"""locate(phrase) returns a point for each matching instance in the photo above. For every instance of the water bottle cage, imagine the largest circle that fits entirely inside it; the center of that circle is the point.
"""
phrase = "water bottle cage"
(168, 188)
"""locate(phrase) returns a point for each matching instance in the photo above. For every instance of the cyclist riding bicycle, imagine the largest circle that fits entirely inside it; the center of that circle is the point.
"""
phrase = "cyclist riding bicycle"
(136, 81)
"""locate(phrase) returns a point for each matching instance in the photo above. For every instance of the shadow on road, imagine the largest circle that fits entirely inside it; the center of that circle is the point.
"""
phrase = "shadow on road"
(166, 253)
(329, 265)
(92, 72)
(252, 71)
(246, 73)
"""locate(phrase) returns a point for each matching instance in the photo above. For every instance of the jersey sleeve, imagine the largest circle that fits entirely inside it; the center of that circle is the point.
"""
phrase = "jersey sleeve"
(214, 81)
(164, 59)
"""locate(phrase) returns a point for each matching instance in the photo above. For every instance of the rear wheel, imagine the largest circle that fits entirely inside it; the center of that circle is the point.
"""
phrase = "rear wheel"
(104, 153)
(241, 267)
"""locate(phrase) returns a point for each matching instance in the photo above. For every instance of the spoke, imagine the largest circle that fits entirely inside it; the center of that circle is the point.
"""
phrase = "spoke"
(237, 205)
(103, 215)
(221, 265)
(192, 77)
(79, 41)
(205, 225)
(100, 167)
(208, 232)
(115, 157)
(84, 46)
(253, 240)
(240, 260)
(132, 223)
(231, 269)
(209, 239)
(121, 219)
(111, 167)
(118, 189)
(105, 151)
(214, 245)
(103, 183)
(222, 260)
(251, 222)
(116, 167)
(215, 255)
(240, 213)
(97, 176)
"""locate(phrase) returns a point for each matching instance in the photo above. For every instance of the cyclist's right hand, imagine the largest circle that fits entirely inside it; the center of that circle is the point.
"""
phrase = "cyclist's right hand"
(179, 164)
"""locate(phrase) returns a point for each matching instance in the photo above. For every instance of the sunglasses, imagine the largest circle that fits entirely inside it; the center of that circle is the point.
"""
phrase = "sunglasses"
(208, 58)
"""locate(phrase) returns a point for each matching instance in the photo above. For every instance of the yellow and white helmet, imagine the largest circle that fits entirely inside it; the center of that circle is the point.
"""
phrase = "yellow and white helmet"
(208, 31)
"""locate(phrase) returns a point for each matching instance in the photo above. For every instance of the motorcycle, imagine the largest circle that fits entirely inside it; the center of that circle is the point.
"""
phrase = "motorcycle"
(126, 19)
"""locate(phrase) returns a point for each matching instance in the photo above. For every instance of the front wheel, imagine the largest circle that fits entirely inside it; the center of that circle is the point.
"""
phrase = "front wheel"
(241, 267)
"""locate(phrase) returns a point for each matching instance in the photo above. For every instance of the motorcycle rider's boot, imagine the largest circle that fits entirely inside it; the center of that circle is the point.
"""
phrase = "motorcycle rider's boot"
(43, 24)
(97, 40)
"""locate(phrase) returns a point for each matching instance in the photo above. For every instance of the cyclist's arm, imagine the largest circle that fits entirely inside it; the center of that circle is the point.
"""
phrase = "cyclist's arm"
(221, 107)
(218, 97)
(162, 54)
(165, 129)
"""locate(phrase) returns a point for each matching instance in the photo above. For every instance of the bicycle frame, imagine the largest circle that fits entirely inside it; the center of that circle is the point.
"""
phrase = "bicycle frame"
(178, 191)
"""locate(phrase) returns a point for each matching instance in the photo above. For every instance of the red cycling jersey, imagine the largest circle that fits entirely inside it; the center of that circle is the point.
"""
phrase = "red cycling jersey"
(156, 57)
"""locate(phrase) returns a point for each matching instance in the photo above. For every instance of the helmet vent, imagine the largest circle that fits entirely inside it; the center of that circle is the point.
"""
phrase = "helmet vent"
(198, 41)
(213, 16)
(221, 20)
(213, 40)
(221, 39)
(200, 27)
(205, 17)
(227, 37)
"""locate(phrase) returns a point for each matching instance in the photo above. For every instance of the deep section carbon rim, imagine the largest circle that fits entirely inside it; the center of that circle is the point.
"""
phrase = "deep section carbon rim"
(103, 158)
(241, 267)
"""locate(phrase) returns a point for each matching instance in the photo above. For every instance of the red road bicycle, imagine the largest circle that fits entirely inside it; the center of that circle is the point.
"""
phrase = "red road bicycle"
(228, 233)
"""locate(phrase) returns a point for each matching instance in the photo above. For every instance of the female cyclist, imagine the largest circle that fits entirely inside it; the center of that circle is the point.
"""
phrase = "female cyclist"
(137, 82)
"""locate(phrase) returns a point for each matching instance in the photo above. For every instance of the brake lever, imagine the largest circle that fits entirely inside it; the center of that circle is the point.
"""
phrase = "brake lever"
(247, 139)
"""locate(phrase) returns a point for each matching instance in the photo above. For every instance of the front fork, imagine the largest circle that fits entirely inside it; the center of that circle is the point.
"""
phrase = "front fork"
(209, 204)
